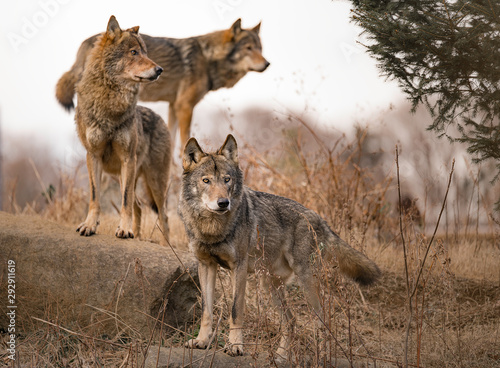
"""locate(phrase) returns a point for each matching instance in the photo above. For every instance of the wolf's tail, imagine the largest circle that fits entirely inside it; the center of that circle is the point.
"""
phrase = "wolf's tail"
(353, 263)
(65, 89)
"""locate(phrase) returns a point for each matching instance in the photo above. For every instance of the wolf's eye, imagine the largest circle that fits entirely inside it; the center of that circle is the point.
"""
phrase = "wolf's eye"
(226, 180)
(206, 181)
(133, 52)
(249, 47)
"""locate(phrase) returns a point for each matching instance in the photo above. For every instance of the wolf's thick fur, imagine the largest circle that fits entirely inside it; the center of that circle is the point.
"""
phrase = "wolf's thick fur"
(193, 67)
(231, 225)
(120, 137)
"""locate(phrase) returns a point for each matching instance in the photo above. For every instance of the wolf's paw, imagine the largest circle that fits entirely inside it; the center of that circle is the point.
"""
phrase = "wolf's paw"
(234, 349)
(124, 234)
(196, 344)
(86, 229)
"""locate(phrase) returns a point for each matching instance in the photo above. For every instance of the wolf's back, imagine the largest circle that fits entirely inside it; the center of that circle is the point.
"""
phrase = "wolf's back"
(353, 263)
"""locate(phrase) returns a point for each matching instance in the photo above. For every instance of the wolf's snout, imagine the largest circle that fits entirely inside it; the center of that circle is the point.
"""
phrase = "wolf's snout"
(158, 70)
(261, 66)
(223, 203)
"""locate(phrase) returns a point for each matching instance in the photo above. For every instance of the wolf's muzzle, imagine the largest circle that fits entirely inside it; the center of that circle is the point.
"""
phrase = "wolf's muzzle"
(157, 71)
(223, 203)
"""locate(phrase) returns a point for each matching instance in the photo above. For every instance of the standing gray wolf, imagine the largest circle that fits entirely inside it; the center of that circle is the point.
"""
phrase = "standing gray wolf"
(231, 225)
(120, 137)
(193, 67)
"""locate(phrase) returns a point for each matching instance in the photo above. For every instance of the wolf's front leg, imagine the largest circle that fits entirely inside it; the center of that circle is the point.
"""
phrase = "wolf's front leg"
(207, 272)
(127, 182)
(239, 278)
(94, 166)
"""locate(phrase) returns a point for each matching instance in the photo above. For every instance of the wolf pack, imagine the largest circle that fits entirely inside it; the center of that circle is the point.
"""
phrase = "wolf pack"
(228, 224)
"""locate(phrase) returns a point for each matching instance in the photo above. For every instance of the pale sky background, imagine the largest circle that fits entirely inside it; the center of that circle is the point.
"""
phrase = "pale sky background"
(317, 68)
(316, 63)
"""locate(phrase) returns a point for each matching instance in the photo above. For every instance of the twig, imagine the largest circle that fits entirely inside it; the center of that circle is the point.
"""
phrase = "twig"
(44, 188)
(118, 296)
(207, 350)
(337, 342)
(396, 363)
(163, 322)
(435, 229)
(112, 315)
(401, 224)
(178, 258)
(421, 267)
(125, 361)
(115, 207)
(190, 364)
(410, 307)
(79, 334)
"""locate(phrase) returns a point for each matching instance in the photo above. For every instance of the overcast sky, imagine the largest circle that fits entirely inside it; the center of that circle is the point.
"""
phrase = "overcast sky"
(316, 63)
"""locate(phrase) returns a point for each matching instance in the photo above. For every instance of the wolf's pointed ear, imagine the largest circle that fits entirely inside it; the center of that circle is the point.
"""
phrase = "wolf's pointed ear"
(192, 154)
(236, 27)
(113, 29)
(134, 29)
(229, 149)
(256, 29)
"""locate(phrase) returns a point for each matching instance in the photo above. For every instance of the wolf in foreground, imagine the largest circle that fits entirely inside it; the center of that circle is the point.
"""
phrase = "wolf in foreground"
(231, 225)
(120, 137)
(193, 67)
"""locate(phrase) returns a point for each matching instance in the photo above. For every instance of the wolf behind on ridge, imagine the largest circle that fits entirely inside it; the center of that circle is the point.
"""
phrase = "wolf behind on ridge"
(193, 67)
(121, 138)
(232, 226)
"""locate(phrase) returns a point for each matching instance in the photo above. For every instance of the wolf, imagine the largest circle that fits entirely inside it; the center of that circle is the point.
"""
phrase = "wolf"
(233, 226)
(120, 137)
(193, 67)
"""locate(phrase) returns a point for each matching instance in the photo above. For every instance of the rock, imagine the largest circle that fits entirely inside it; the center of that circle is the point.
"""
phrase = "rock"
(164, 357)
(110, 285)
(182, 357)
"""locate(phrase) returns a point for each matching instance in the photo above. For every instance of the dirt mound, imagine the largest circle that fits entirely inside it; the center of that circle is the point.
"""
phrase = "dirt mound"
(110, 284)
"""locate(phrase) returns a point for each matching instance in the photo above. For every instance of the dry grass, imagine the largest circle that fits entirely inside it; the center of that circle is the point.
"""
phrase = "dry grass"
(452, 319)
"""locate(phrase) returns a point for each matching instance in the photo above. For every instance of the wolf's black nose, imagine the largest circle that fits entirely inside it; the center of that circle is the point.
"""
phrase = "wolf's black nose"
(158, 70)
(223, 202)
